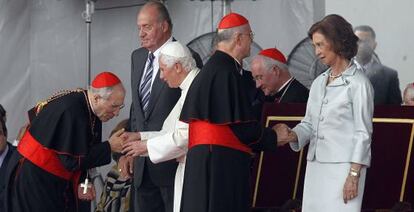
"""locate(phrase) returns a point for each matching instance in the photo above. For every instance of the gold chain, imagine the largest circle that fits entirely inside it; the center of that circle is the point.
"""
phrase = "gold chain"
(41, 104)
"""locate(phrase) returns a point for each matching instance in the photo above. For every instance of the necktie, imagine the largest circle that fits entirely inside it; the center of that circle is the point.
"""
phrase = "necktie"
(145, 88)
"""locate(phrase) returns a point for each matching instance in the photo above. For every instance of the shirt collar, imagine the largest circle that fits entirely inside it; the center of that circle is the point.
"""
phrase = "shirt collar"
(157, 52)
(368, 65)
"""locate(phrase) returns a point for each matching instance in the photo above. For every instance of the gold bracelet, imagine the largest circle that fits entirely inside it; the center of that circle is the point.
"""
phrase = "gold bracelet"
(354, 172)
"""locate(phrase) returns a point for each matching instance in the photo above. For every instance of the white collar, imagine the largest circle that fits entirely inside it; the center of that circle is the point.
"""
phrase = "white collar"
(284, 84)
(156, 53)
(185, 84)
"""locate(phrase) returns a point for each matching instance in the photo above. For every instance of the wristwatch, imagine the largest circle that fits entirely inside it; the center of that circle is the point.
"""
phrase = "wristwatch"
(353, 173)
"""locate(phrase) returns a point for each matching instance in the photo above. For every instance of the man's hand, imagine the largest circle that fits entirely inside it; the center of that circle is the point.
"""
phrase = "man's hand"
(134, 149)
(126, 166)
(90, 193)
(116, 140)
(284, 134)
(131, 136)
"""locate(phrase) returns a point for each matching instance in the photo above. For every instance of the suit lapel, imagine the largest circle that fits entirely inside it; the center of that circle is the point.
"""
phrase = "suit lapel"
(139, 64)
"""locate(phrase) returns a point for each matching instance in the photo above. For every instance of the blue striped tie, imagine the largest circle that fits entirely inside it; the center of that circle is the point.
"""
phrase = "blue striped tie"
(145, 88)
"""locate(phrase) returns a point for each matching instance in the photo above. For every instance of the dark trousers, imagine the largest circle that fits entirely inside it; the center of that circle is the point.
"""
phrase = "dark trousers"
(149, 197)
(216, 179)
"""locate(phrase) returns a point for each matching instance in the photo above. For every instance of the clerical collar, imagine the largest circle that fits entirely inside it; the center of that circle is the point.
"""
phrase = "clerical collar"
(279, 95)
(185, 84)
(239, 66)
(90, 104)
(284, 84)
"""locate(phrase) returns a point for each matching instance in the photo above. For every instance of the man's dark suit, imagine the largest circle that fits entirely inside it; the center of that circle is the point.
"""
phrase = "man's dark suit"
(3, 168)
(146, 174)
(295, 93)
(386, 84)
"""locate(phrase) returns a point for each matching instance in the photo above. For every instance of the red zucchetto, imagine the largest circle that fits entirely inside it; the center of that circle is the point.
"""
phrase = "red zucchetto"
(105, 79)
(232, 20)
(274, 54)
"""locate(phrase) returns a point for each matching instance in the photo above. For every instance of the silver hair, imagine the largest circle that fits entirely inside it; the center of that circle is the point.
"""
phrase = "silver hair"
(187, 62)
(227, 34)
(269, 63)
(102, 92)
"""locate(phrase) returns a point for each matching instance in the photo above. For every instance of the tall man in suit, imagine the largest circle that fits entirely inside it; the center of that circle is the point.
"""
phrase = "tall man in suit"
(152, 101)
(383, 79)
(271, 74)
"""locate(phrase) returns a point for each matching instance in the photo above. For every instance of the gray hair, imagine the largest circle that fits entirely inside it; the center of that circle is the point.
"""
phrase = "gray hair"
(187, 62)
(104, 92)
(268, 63)
(163, 14)
(227, 34)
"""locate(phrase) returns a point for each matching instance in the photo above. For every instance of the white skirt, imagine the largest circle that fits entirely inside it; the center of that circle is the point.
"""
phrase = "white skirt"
(323, 188)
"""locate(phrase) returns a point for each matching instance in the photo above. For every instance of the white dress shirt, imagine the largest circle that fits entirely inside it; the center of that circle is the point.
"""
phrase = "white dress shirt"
(155, 63)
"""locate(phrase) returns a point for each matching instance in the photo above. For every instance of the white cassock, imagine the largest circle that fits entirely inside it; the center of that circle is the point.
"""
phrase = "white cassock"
(172, 141)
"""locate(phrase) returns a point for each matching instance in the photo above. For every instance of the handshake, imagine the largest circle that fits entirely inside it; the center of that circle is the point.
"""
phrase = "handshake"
(128, 143)
(284, 134)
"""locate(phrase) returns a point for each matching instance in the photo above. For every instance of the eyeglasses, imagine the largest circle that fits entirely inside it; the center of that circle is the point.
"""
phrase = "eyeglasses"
(250, 34)
(115, 106)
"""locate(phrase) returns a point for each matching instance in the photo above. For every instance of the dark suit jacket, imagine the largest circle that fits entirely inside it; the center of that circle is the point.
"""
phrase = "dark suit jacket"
(3, 168)
(386, 85)
(161, 102)
(295, 93)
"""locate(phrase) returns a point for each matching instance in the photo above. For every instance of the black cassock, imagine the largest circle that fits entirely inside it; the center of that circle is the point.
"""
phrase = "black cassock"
(66, 130)
(218, 108)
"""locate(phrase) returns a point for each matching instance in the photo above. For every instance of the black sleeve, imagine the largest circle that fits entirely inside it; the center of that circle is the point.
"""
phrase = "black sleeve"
(394, 94)
(99, 154)
(255, 136)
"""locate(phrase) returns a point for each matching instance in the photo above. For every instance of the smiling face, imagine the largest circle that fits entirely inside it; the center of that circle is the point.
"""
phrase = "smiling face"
(324, 49)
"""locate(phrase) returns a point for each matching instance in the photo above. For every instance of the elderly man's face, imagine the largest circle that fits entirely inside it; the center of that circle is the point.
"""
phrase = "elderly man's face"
(151, 31)
(247, 39)
(106, 109)
(266, 80)
(170, 75)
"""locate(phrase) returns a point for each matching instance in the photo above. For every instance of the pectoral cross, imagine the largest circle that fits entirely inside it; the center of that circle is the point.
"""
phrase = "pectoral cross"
(85, 186)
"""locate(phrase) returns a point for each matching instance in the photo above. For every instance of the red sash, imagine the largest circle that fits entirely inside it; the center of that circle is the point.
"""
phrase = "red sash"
(202, 132)
(43, 157)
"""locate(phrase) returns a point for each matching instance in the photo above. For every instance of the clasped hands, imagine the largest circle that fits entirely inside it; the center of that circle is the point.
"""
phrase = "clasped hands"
(128, 143)
(284, 134)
